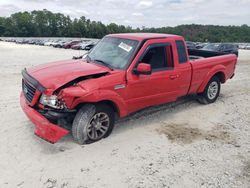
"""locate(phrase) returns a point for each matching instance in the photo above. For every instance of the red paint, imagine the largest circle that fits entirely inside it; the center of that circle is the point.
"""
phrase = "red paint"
(144, 68)
(44, 128)
(136, 92)
(54, 75)
(70, 44)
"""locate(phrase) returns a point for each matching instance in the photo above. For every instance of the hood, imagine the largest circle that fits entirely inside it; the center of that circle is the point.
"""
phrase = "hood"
(55, 75)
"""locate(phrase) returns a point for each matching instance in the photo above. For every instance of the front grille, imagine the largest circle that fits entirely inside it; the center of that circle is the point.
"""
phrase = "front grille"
(28, 91)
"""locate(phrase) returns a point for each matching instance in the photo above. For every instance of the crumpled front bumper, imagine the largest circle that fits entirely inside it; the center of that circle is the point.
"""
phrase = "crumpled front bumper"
(43, 128)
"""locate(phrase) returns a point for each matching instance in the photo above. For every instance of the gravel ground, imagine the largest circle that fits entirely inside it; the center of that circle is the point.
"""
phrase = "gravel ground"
(183, 144)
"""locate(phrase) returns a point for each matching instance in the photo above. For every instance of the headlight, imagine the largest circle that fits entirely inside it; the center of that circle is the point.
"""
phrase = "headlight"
(51, 101)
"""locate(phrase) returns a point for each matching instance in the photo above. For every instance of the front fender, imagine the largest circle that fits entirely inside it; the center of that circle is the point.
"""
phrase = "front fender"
(210, 74)
(103, 95)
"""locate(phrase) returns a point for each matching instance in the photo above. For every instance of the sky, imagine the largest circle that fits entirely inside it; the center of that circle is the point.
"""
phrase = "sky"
(138, 13)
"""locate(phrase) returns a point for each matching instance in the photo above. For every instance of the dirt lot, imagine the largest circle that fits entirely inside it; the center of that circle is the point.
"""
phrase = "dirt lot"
(183, 144)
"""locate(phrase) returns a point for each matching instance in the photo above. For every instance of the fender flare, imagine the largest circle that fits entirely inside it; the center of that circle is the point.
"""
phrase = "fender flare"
(215, 70)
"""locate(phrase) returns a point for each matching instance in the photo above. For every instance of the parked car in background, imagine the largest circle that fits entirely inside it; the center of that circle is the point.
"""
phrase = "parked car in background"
(22, 41)
(89, 46)
(53, 42)
(59, 44)
(78, 46)
(31, 41)
(39, 42)
(48, 42)
(190, 45)
(247, 47)
(200, 45)
(83, 45)
(19, 41)
(71, 43)
(222, 47)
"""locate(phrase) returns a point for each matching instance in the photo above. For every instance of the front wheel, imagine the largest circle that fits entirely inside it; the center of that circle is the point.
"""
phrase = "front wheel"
(211, 91)
(92, 123)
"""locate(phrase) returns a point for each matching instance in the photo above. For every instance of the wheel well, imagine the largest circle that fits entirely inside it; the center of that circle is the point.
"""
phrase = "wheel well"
(111, 104)
(221, 76)
(107, 102)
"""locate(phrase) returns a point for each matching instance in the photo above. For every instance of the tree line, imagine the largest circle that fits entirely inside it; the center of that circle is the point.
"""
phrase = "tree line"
(47, 24)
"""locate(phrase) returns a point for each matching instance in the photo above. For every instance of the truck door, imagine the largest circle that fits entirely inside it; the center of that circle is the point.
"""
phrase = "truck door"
(184, 68)
(160, 86)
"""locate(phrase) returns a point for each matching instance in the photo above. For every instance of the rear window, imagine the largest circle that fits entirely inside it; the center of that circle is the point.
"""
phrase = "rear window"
(181, 49)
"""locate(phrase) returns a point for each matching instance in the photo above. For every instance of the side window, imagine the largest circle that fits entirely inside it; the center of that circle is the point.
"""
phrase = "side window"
(229, 47)
(181, 49)
(223, 47)
(158, 58)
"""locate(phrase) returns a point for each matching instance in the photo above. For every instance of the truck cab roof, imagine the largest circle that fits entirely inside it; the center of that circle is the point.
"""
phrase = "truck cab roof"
(144, 36)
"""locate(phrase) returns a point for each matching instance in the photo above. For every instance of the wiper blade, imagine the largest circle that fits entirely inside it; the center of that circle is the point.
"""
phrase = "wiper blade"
(88, 58)
(104, 63)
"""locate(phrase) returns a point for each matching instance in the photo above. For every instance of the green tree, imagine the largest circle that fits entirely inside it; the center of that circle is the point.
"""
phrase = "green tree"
(44, 23)
(2, 26)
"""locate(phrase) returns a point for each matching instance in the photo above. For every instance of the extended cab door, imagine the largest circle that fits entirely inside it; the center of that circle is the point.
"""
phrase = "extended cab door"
(161, 85)
(184, 67)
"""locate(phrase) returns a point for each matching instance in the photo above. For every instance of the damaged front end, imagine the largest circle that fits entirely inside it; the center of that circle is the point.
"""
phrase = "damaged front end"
(46, 125)
(48, 109)
(43, 127)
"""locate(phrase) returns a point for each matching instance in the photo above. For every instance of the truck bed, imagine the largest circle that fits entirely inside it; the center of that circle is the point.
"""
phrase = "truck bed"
(195, 54)
(201, 67)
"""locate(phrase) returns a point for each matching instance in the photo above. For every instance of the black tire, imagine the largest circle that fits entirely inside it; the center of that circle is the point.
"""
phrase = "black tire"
(82, 123)
(205, 97)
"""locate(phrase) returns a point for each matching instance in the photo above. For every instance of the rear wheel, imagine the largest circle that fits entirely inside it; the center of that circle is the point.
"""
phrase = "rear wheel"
(211, 91)
(92, 123)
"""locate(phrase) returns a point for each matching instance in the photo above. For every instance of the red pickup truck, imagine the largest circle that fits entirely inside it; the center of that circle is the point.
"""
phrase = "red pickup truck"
(122, 74)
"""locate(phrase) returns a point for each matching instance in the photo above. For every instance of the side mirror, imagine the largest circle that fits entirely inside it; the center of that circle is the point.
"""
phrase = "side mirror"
(143, 68)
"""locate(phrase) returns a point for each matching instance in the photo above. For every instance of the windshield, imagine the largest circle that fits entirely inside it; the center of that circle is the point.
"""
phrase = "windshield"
(212, 47)
(115, 52)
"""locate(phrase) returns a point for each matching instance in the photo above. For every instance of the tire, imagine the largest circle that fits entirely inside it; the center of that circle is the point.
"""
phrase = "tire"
(211, 91)
(92, 123)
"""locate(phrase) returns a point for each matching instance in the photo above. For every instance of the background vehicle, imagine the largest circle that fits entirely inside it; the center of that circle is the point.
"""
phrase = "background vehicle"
(59, 44)
(76, 46)
(247, 47)
(81, 45)
(70, 43)
(88, 46)
(200, 45)
(190, 45)
(223, 47)
(122, 74)
(48, 42)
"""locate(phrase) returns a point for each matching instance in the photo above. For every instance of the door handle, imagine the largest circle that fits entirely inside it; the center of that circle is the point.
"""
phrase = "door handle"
(172, 77)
